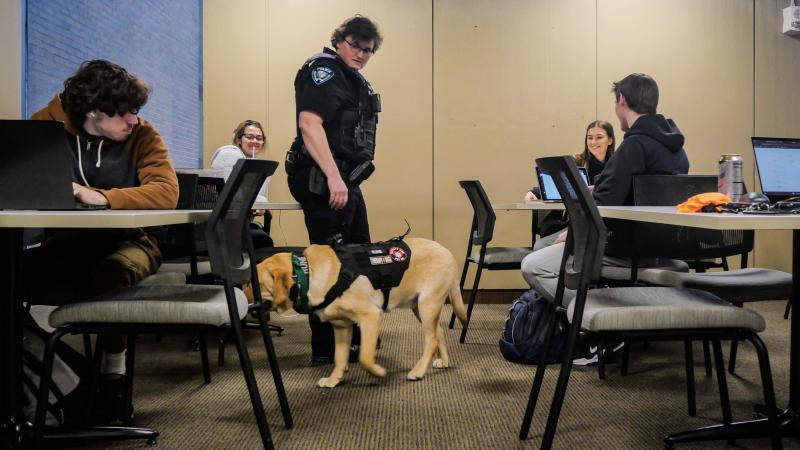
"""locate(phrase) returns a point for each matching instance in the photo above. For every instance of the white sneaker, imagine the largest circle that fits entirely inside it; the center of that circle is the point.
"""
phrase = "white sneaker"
(586, 357)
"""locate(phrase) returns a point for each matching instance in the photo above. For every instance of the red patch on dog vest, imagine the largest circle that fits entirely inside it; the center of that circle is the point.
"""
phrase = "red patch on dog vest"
(398, 254)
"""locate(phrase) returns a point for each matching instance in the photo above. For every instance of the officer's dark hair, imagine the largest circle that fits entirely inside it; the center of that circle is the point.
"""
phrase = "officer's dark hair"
(361, 28)
(104, 86)
(583, 158)
(239, 131)
(640, 91)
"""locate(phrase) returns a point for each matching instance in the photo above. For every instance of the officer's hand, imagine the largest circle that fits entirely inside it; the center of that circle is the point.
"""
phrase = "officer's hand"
(88, 196)
(338, 192)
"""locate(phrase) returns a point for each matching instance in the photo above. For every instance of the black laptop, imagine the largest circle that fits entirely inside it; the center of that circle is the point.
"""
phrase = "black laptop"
(548, 187)
(777, 160)
(36, 167)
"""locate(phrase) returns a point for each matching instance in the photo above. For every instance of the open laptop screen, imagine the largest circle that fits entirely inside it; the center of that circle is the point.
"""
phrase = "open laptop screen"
(548, 186)
(777, 160)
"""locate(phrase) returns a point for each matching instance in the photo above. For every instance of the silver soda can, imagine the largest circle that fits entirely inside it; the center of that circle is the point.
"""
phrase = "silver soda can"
(731, 177)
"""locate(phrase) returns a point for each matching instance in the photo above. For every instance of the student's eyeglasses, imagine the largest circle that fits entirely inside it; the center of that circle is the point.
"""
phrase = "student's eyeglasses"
(254, 137)
(367, 51)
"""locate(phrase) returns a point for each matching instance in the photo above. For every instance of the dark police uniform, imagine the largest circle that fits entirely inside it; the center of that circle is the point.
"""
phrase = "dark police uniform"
(344, 100)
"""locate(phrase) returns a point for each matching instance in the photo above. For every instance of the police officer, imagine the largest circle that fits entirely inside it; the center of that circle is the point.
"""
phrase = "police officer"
(334, 148)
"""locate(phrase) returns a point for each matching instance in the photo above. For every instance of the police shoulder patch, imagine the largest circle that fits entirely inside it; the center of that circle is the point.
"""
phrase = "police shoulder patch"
(321, 74)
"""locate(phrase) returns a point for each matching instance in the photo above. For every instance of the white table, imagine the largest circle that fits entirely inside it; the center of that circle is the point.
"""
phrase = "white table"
(537, 205)
(12, 224)
(789, 419)
(280, 206)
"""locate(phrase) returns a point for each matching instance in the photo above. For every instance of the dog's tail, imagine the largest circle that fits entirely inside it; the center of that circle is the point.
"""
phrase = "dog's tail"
(457, 302)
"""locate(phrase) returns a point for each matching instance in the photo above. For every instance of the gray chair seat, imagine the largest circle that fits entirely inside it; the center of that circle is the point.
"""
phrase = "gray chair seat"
(182, 265)
(502, 255)
(618, 273)
(662, 308)
(741, 285)
(161, 304)
(160, 278)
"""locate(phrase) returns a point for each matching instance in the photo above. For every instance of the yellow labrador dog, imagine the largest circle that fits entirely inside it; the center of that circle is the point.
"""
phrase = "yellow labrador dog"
(432, 275)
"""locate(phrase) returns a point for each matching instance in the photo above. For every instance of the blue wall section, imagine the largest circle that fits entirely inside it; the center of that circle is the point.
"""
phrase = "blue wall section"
(159, 41)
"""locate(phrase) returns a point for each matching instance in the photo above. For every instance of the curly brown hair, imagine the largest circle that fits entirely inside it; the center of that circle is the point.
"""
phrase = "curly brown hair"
(361, 28)
(104, 86)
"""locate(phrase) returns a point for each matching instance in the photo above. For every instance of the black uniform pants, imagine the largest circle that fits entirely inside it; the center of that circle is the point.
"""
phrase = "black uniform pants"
(323, 223)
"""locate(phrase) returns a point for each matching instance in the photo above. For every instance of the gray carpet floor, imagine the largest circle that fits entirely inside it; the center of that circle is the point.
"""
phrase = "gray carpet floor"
(475, 404)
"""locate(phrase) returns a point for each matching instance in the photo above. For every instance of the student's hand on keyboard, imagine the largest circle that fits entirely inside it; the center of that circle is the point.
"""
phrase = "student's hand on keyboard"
(86, 195)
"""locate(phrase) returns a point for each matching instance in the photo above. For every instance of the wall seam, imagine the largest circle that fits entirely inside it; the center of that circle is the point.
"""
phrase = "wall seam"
(266, 68)
(433, 122)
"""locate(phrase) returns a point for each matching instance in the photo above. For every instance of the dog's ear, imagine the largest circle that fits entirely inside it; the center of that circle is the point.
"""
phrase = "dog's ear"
(279, 268)
(248, 292)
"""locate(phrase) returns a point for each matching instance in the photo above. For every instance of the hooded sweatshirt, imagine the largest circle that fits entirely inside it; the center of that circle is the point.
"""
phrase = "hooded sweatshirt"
(653, 146)
(138, 173)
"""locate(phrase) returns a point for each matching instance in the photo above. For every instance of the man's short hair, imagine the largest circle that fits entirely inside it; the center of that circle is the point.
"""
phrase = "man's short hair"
(361, 28)
(104, 86)
(640, 91)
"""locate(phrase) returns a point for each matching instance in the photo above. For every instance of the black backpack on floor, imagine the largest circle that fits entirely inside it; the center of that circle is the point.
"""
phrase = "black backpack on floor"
(67, 402)
(523, 337)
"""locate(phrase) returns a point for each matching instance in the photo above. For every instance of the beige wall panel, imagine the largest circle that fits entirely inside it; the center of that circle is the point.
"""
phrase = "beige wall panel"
(11, 70)
(400, 71)
(234, 69)
(776, 99)
(513, 81)
(703, 69)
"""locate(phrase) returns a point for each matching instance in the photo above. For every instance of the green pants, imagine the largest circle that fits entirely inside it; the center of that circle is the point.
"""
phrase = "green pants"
(75, 265)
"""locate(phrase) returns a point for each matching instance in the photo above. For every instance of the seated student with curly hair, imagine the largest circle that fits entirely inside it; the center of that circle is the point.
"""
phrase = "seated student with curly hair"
(120, 161)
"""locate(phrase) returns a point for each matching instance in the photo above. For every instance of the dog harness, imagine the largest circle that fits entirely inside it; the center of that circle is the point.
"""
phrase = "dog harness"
(383, 263)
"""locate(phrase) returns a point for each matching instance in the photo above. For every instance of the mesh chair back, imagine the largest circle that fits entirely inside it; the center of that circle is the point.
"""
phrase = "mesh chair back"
(483, 218)
(208, 190)
(227, 233)
(587, 233)
(678, 242)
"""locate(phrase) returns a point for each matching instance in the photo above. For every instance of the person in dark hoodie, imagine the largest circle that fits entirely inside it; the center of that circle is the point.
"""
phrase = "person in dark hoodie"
(119, 161)
(653, 144)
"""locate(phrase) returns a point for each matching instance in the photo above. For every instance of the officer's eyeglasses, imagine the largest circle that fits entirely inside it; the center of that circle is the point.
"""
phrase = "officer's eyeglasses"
(367, 51)
(254, 137)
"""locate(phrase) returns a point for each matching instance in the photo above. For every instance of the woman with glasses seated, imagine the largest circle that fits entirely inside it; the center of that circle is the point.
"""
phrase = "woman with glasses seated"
(248, 141)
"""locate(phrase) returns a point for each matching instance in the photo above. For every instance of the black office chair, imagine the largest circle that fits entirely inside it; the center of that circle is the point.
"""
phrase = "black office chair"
(651, 313)
(480, 235)
(186, 308)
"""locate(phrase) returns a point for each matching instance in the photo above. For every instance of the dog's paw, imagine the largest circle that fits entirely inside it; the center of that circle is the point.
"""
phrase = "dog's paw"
(438, 363)
(328, 382)
(415, 376)
(376, 370)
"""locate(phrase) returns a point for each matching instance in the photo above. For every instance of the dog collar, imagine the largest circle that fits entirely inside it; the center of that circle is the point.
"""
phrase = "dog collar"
(299, 290)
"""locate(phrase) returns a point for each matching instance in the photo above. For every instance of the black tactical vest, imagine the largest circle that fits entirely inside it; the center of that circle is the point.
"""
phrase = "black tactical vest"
(352, 137)
(383, 263)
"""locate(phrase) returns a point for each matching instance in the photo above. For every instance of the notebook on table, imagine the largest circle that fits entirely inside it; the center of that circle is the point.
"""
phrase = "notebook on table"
(777, 160)
(548, 187)
(36, 167)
